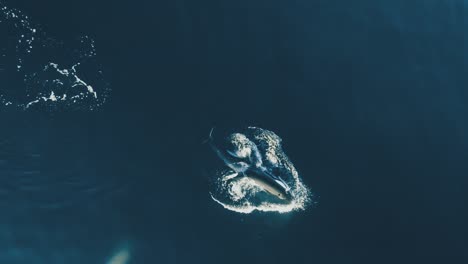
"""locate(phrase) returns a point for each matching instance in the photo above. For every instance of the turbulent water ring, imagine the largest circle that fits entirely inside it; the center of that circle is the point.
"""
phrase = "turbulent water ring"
(250, 193)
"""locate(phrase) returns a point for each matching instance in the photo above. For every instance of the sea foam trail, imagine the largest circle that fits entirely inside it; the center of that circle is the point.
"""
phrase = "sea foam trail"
(40, 72)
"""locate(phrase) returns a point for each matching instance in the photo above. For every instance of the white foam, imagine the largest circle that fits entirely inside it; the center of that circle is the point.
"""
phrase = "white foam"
(46, 83)
(238, 194)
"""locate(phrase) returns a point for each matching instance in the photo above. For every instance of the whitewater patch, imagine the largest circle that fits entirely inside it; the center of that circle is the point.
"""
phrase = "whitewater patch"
(243, 194)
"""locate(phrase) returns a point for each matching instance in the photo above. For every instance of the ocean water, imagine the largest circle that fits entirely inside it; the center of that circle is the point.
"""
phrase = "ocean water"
(368, 97)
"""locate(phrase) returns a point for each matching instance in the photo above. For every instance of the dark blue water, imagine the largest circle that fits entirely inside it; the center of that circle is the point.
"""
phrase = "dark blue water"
(369, 97)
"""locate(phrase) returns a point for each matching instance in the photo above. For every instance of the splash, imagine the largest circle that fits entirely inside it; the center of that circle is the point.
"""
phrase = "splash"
(40, 72)
(243, 194)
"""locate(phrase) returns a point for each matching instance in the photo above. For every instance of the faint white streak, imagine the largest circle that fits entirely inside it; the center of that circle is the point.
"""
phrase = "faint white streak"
(120, 257)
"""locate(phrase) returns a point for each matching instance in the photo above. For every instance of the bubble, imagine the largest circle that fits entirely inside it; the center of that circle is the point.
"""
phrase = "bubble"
(43, 73)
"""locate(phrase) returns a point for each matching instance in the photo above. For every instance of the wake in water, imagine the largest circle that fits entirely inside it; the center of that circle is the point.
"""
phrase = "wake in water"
(257, 176)
(40, 72)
